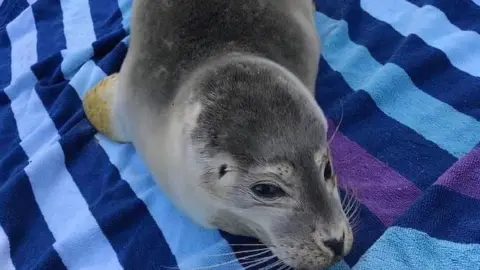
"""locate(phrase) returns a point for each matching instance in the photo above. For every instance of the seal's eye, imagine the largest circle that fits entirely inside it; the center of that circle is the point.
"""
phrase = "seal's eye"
(222, 170)
(327, 172)
(268, 191)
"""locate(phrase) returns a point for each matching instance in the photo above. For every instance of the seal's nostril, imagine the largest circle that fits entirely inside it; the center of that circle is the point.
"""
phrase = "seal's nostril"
(335, 245)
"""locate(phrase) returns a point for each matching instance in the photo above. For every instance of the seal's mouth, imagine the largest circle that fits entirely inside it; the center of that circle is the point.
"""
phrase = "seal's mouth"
(282, 257)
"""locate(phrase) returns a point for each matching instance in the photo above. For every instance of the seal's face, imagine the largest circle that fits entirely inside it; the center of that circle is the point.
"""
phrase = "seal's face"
(268, 166)
(292, 207)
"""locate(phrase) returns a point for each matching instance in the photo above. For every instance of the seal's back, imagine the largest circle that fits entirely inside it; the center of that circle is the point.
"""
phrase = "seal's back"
(171, 37)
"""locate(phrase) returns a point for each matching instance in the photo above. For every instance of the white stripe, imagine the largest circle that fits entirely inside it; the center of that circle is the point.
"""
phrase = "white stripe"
(79, 240)
(432, 26)
(176, 228)
(476, 2)
(31, 2)
(5, 260)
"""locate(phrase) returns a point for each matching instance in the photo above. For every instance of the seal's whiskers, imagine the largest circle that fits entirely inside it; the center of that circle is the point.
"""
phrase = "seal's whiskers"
(285, 267)
(248, 245)
(338, 125)
(264, 251)
(236, 253)
(275, 264)
(351, 206)
(259, 261)
(231, 261)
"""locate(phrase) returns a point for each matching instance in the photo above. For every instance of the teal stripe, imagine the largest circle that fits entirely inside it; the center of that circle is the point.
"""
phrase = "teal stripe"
(433, 26)
(403, 248)
(394, 92)
(342, 265)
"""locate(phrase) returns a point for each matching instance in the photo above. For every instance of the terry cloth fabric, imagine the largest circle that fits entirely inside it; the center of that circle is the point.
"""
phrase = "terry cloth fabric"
(405, 75)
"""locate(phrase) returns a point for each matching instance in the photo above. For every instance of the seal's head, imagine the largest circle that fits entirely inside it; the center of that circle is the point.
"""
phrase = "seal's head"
(261, 139)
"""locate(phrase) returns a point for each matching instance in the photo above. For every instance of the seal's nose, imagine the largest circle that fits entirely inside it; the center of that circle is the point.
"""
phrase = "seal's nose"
(335, 245)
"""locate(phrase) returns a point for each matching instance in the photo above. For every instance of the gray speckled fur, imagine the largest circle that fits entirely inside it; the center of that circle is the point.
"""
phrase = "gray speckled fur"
(242, 72)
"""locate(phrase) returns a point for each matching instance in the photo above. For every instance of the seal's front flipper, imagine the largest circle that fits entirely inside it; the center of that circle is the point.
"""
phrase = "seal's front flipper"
(99, 108)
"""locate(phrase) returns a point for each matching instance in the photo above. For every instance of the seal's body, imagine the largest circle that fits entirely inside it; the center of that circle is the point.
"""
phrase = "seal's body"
(217, 98)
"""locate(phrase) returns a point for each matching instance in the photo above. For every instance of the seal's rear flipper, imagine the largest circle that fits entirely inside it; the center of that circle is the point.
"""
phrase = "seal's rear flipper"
(99, 109)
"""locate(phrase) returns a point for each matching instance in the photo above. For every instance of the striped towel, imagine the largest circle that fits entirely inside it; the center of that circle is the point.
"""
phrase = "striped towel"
(405, 76)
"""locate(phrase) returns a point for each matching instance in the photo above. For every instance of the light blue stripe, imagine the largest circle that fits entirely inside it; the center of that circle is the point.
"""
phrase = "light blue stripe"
(476, 2)
(58, 198)
(126, 40)
(22, 33)
(5, 259)
(73, 60)
(402, 248)
(432, 25)
(394, 93)
(79, 35)
(190, 243)
(125, 7)
(77, 24)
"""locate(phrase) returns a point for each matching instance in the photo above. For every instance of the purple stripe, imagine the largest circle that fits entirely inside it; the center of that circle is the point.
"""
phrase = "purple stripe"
(464, 175)
(381, 189)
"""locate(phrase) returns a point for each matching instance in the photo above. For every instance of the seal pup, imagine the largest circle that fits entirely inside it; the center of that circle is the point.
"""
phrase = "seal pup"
(217, 98)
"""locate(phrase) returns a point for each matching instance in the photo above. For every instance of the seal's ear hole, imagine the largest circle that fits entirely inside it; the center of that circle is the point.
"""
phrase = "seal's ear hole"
(222, 170)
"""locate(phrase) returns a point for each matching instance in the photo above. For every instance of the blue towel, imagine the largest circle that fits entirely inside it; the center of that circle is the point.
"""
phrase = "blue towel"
(404, 74)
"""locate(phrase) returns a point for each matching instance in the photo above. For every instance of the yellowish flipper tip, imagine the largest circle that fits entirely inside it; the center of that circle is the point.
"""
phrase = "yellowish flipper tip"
(97, 105)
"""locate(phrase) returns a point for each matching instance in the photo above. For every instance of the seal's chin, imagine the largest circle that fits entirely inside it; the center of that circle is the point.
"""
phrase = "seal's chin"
(296, 255)
(300, 254)
(303, 258)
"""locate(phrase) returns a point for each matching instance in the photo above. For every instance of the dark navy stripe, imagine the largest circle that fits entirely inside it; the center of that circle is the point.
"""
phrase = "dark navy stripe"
(429, 68)
(369, 229)
(445, 214)
(106, 16)
(110, 53)
(107, 23)
(50, 33)
(393, 143)
(50, 41)
(6, 59)
(10, 9)
(463, 13)
(49, 21)
(31, 242)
